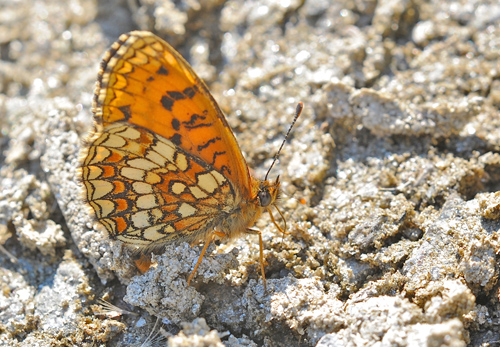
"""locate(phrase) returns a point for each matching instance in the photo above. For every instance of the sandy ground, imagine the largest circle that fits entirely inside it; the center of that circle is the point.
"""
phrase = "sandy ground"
(390, 176)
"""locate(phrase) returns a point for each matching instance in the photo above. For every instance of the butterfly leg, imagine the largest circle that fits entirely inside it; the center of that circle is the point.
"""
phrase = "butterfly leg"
(200, 258)
(283, 231)
(258, 232)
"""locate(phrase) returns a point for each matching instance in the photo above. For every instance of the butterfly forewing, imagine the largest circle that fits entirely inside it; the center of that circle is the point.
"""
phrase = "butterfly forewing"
(145, 82)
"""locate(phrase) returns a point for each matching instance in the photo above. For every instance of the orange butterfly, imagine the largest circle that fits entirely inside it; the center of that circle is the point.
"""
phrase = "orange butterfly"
(162, 164)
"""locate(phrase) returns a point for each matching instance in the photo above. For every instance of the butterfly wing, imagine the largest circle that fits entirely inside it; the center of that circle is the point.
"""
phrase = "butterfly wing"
(163, 163)
(144, 81)
(147, 191)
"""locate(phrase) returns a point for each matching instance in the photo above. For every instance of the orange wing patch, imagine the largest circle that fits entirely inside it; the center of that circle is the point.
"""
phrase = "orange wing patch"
(145, 82)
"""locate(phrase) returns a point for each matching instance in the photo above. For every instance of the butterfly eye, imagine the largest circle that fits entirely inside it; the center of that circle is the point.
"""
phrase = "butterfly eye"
(264, 197)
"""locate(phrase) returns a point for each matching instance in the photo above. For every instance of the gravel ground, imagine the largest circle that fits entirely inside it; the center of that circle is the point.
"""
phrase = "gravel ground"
(390, 176)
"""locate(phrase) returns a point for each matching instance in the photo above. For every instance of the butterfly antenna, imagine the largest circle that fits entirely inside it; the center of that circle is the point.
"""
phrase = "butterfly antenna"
(298, 111)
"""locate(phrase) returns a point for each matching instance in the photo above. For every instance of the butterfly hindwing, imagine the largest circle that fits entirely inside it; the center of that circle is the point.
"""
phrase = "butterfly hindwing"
(147, 191)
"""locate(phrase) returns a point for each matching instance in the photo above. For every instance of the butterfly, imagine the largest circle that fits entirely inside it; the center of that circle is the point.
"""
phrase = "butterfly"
(162, 164)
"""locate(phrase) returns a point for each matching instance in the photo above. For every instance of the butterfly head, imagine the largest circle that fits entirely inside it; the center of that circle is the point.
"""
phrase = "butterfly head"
(268, 192)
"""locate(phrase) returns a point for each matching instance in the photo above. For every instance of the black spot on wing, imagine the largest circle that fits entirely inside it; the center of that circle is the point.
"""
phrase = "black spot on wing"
(194, 118)
(171, 97)
(176, 139)
(167, 103)
(200, 125)
(162, 71)
(196, 122)
(189, 92)
(176, 124)
(176, 95)
(169, 100)
(208, 143)
(127, 113)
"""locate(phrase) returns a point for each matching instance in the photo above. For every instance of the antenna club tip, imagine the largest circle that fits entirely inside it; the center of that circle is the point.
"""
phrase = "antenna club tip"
(300, 106)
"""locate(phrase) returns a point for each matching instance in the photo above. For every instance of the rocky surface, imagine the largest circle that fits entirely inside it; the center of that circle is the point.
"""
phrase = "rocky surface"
(390, 176)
